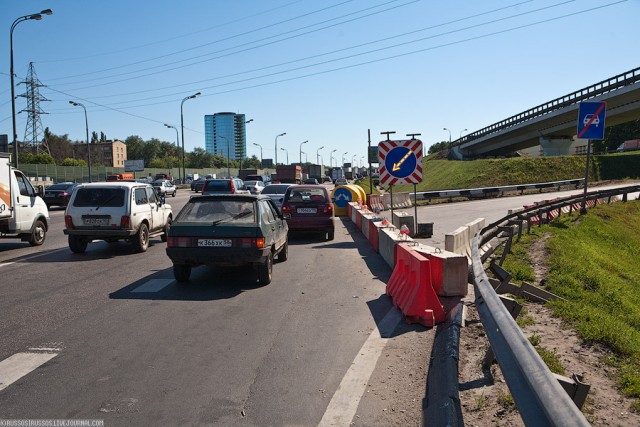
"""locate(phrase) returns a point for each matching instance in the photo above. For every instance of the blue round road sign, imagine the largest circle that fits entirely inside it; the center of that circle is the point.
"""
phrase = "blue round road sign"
(400, 162)
(342, 197)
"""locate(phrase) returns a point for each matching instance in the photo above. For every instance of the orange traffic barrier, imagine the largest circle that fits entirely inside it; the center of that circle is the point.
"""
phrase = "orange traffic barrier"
(411, 289)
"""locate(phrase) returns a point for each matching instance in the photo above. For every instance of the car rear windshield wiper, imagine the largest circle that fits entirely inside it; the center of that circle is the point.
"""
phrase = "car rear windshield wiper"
(106, 201)
(238, 216)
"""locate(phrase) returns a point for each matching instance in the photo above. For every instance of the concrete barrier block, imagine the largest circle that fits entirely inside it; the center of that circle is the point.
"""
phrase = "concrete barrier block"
(388, 239)
(404, 218)
(354, 209)
(457, 241)
(449, 271)
(366, 221)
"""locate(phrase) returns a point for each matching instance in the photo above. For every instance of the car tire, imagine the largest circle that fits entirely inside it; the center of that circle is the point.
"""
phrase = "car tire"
(164, 235)
(330, 235)
(38, 234)
(77, 244)
(174, 193)
(284, 253)
(265, 271)
(141, 239)
(181, 272)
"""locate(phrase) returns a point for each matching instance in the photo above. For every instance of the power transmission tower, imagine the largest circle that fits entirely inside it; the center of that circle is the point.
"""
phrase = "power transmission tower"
(33, 129)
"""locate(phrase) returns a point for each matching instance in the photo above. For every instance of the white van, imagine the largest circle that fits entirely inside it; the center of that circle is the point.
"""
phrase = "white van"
(23, 213)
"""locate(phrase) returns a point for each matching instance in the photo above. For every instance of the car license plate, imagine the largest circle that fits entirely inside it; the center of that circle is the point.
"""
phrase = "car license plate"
(307, 210)
(95, 221)
(217, 243)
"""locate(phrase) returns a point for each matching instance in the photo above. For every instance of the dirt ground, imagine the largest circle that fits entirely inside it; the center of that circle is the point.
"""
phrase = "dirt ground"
(485, 397)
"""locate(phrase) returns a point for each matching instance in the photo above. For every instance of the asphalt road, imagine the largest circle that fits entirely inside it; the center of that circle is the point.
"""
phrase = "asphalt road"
(110, 335)
(126, 344)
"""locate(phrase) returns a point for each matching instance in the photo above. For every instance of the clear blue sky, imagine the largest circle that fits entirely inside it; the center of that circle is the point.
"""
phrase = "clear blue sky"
(323, 71)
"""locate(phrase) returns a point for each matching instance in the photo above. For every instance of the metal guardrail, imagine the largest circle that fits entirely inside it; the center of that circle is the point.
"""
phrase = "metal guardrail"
(485, 191)
(616, 82)
(539, 397)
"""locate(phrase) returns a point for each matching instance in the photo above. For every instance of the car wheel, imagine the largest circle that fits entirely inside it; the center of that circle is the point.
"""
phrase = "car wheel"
(164, 235)
(330, 235)
(181, 272)
(77, 244)
(174, 193)
(265, 271)
(284, 253)
(141, 240)
(38, 234)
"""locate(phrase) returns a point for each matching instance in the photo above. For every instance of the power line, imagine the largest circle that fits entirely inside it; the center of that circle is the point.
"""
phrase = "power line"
(202, 45)
(353, 55)
(173, 67)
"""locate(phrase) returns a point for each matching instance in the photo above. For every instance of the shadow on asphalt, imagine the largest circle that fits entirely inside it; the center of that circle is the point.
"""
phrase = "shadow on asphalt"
(206, 284)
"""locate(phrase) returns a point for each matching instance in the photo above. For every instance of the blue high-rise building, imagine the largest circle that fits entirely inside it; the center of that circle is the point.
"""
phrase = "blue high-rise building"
(225, 134)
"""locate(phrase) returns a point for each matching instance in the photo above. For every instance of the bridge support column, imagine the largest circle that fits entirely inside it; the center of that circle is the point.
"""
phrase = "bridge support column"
(558, 146)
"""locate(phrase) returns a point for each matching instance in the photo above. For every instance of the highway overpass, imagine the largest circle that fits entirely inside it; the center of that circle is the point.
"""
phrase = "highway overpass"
(553, 124)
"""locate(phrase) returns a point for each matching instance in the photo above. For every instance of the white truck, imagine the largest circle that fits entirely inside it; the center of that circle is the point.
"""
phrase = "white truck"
(23, 213)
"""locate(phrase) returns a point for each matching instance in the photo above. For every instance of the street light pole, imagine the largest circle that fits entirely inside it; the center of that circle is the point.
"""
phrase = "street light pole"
(86, 123)
(449, 136)
(261, 163)
(184, 173)
(284, 149)
(463, 130)
(343, 154)
(177, 147)
(304, 142)
(37, 17)
(331, 158)
(228, 156)
(282, 134)
(242, 155)
(318, 154)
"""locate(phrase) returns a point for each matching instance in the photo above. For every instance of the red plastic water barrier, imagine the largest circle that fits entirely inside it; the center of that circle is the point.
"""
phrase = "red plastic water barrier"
(556, 212)
(374, 235)
(411, 290)
(359, 219)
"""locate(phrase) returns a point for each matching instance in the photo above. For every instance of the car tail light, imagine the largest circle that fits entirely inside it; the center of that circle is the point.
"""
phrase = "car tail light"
(328, 208)
(125, 221)
(233, 188)
(68, 221)
(252, 242)
(179, 242)
(65, 194)
(286, 208)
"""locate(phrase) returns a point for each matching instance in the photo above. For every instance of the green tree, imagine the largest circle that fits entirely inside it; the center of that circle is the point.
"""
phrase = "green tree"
(438, 146)
(616, 135)
(157, 163)
(135, 147)
(73, 162)
(41, 159)
(94, 137)
(252, 162)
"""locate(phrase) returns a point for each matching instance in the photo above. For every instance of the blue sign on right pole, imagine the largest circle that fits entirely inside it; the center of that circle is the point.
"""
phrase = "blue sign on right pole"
(591, 117)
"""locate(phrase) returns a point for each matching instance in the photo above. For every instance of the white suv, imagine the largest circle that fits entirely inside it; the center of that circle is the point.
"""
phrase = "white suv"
(114, 211)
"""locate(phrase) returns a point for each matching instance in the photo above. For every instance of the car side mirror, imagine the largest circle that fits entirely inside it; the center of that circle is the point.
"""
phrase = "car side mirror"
(161, 200)
(40, 190)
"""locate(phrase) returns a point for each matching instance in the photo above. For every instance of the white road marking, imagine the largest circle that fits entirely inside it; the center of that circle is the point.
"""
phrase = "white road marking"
(345, 400)
(4, 264)
(153, 285)
(44, 349)
(20, 364)
(38, 255)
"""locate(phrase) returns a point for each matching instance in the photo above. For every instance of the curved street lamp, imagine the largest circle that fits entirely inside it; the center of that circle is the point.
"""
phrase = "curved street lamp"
(343, 154)
(284, 149)
(463, 130)
(258, 145)
(449, 135)
(177, 145)
(37, 17)
(184, 174)
(228, 156)
(282, 134)
(86, 123)
(303, 142)
(331, 158)
(318, 154)
(243, 154)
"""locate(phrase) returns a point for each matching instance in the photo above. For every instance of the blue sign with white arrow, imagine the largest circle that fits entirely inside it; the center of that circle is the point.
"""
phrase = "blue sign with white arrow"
(591, 117)
(400, 162)
(342, 197)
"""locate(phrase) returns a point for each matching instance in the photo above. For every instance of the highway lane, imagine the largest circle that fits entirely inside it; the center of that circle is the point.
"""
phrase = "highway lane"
(221, 351)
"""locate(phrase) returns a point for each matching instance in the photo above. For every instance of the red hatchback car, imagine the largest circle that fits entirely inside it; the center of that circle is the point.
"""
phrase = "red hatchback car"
(309, 208)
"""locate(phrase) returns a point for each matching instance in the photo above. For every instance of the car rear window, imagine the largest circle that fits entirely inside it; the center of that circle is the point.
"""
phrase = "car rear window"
(221, 185)
(98, 197)
(306, 194)
(275, 189)
(60, 187)
(215, 211)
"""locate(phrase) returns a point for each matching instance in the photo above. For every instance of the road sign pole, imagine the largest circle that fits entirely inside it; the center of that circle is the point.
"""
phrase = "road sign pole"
(583, 208)
(415, 208)
(391, 196)
(369, 158)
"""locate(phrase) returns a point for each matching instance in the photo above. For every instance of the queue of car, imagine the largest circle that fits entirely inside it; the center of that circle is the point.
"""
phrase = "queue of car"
(230, 223)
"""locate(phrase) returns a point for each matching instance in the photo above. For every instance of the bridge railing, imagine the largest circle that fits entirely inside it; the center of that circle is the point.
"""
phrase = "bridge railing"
(539, 397)
(605, 86)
